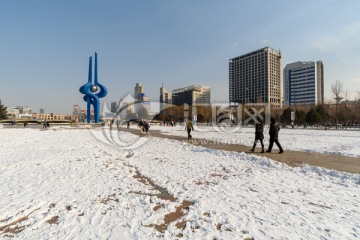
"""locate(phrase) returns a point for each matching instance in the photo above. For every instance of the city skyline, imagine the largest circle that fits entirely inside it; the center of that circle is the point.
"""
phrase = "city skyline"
(46, 45)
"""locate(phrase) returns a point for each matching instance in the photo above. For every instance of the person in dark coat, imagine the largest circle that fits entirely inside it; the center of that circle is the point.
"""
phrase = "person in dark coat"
(259, 135)
(274, 135)
(141, 126)
(146, 126)
(189, 126)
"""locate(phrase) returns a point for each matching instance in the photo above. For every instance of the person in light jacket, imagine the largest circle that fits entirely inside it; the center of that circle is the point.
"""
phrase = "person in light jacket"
(189, 126)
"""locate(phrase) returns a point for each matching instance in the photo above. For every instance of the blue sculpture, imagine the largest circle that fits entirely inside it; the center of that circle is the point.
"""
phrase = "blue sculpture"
(92, 93)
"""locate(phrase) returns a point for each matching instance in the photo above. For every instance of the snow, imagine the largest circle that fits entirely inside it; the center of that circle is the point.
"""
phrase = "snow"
(341, 142)
(86, 180)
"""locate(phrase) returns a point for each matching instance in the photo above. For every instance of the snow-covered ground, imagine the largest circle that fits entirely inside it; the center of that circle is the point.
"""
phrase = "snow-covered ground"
(67, 184)
(342, 142)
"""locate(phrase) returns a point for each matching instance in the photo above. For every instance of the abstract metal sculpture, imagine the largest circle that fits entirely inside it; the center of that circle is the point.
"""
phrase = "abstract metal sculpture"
(92, 93)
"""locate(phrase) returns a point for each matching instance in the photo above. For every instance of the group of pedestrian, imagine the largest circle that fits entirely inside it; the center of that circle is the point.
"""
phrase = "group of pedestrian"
(46, 125)
(144, 126)
(171, 123)
(273, 132)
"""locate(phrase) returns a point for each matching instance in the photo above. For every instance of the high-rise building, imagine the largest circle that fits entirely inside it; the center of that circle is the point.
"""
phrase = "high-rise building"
(304, 83)
(191, 95)
(41, 111)
(256, 77)
(139, 89)
(113, 107)
(165, 98)
(141, 97)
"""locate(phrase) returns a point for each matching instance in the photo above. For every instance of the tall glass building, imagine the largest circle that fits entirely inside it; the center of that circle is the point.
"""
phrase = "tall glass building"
(304, 83)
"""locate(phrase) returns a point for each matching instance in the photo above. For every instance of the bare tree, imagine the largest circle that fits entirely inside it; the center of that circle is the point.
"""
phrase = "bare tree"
(337, 89)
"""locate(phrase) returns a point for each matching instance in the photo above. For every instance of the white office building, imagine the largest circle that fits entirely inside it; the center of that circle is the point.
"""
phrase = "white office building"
(304, 83)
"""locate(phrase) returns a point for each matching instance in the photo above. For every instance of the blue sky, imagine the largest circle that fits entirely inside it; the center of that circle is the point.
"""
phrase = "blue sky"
(45, 45)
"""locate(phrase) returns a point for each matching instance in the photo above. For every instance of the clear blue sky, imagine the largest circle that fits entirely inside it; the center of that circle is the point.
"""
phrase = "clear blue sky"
(45, 45)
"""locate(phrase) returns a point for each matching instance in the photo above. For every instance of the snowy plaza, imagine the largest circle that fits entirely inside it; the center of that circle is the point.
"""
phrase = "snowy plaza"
(66, 183)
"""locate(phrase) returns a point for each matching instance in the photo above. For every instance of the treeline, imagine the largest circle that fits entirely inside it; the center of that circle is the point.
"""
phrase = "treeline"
(177, 113)
(3, 111)
(345, 114)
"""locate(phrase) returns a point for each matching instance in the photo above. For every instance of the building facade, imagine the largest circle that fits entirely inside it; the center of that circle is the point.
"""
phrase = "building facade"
(139, 89)
(192, 95)
(165, 98)
(51, 116)
(141, 98)
(304, 83)
(113, 107)
(19, 112)
(256, 77)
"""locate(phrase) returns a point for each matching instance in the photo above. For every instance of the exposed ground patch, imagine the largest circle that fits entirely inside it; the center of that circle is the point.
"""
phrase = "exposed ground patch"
(163, 194)
(15, 226)
(53, 220)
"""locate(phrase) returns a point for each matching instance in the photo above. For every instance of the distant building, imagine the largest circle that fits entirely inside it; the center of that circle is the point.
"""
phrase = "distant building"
(165, 98)
(24, 109)
(139, 89)
(191, 95)
(113, 107)
(256, 77)
(77, 110)
(79, 114)
(20, 112)
(141, 98)
(304, 83)
(41, 111)
(51, 116)
(13, 113)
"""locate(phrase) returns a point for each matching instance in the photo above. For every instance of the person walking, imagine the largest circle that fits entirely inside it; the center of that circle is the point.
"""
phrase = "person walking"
(111, 124)
(118, 124)
(146, 126)
(259, 135)
(141, 126)
(189, 126)
(274, 135)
